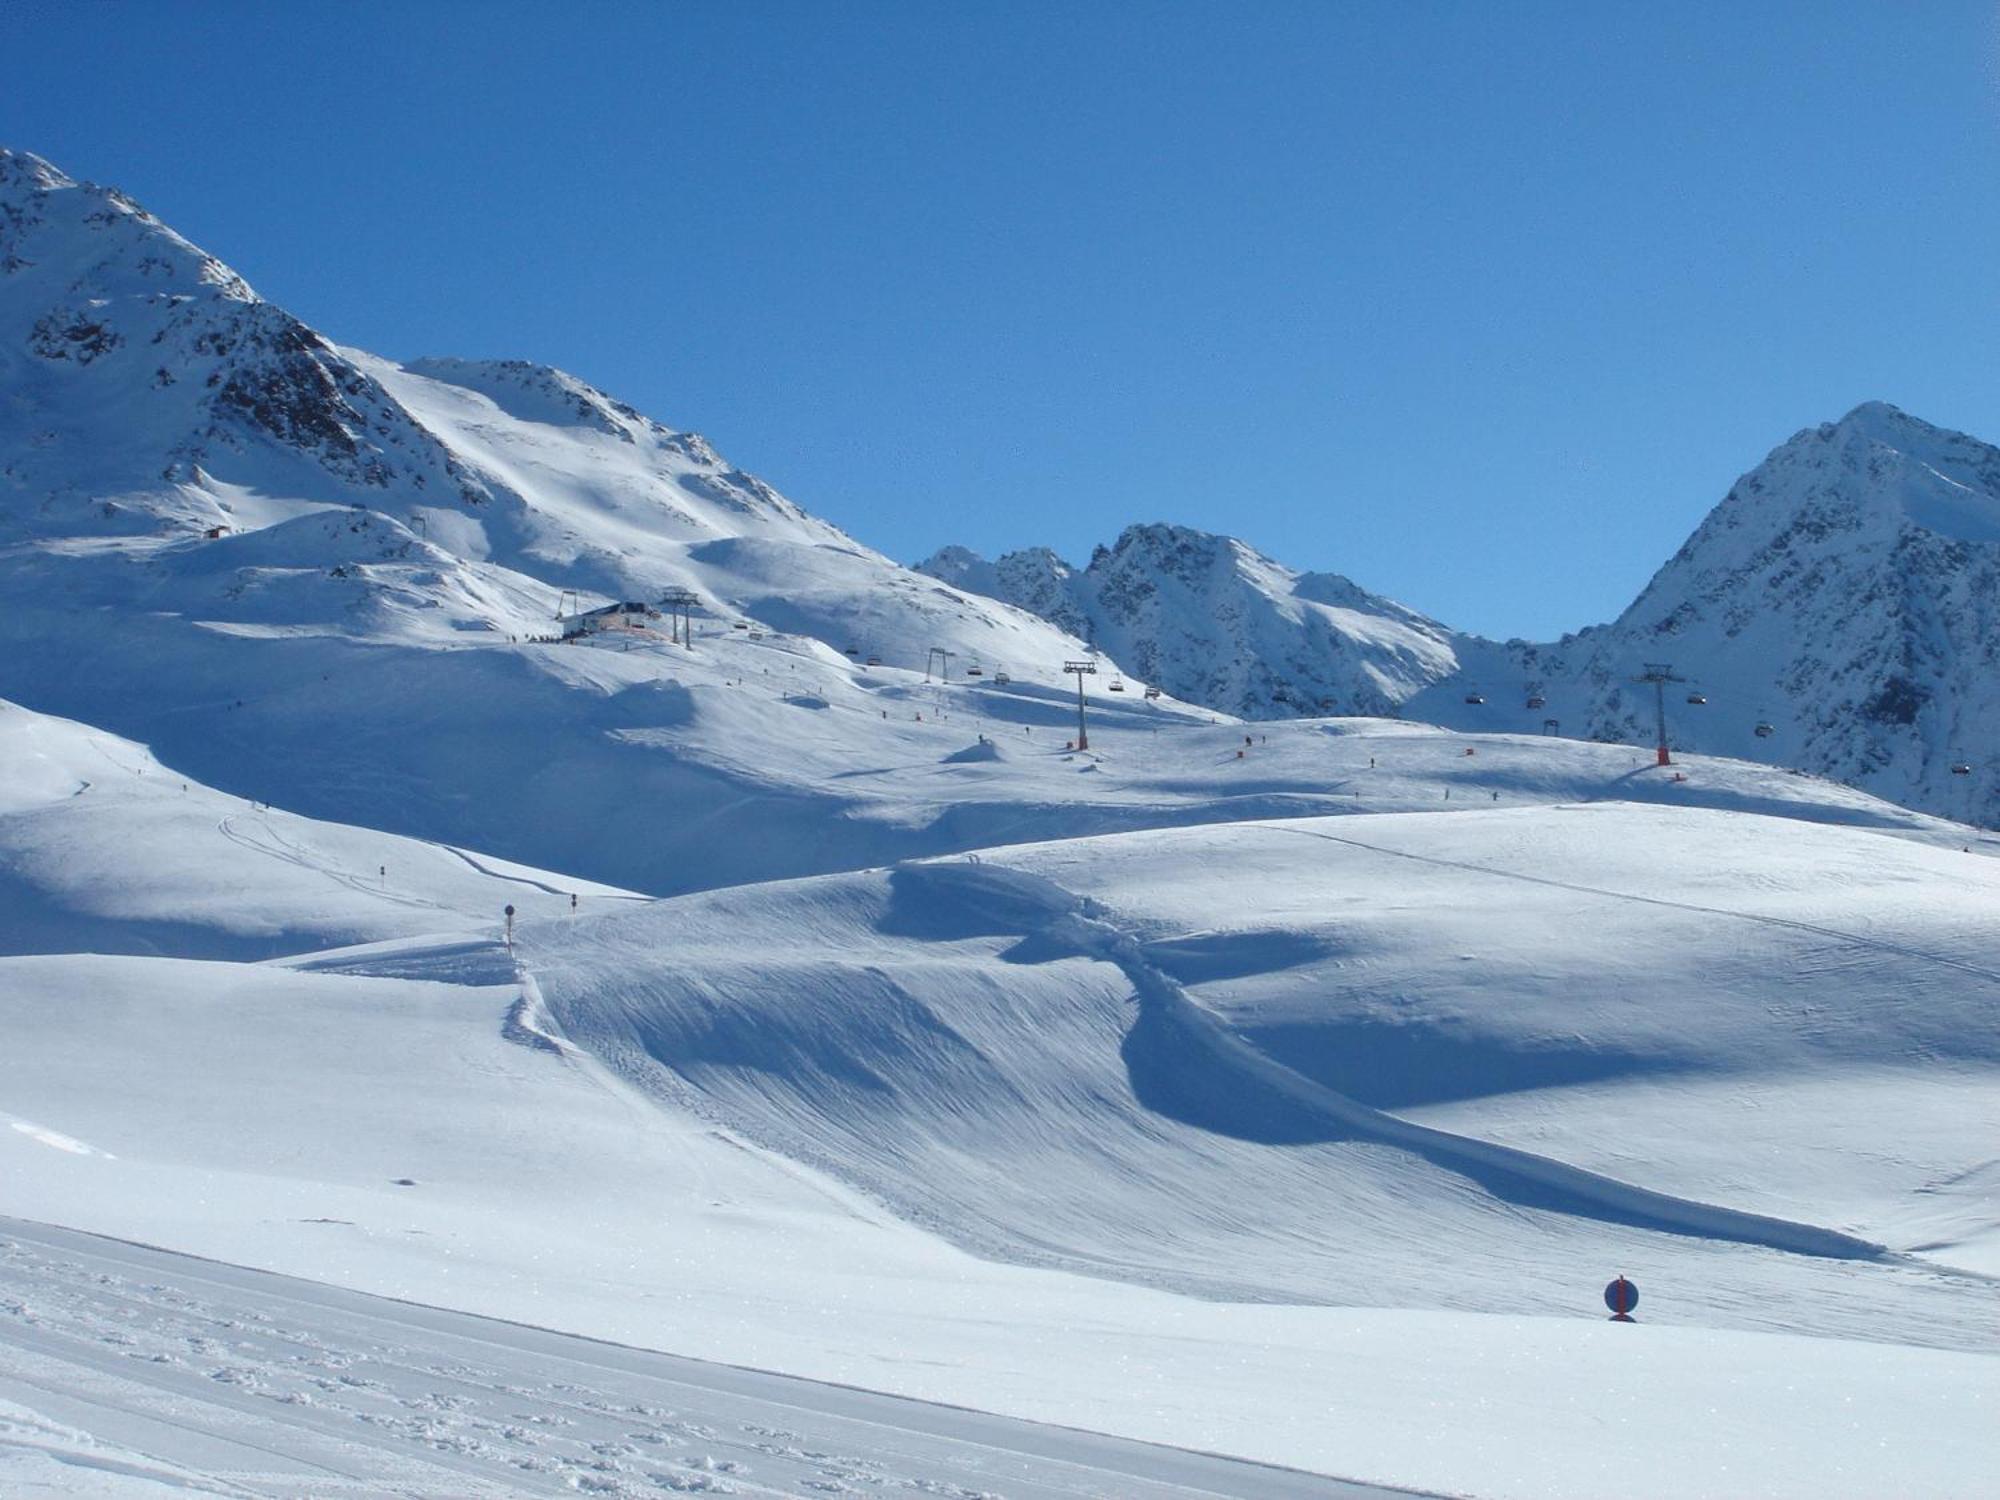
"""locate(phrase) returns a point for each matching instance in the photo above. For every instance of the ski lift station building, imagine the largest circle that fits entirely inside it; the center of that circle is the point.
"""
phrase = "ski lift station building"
(627, 616)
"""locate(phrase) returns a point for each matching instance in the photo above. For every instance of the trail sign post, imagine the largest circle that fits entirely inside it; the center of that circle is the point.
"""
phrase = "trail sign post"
(510, 927)
(1621, 1297)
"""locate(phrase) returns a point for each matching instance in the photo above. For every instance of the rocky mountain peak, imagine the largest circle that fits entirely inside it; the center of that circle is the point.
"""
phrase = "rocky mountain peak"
(25, 172)
(97, 242)
(1210, 619)
(105, 308)
(1856, 487)
(262, 478)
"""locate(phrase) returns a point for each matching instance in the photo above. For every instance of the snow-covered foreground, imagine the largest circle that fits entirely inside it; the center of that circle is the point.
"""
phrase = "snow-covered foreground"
(1255, 1060)
(1103, 1065)
(278, 1387)
(237, 1382)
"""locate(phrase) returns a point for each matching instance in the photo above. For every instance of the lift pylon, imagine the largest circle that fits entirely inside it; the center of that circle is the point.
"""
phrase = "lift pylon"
(1659, 674)
(1082, 669)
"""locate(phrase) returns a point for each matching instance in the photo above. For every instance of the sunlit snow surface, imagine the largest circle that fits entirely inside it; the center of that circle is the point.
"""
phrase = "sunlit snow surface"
(1108, 1132)
(1283, 1091)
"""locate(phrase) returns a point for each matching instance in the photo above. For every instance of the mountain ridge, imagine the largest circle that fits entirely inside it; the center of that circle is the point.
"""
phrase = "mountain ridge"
(1832, 610)
(1805, 601)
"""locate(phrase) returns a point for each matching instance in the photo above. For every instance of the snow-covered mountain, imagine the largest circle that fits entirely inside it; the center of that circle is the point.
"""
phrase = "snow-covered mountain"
(1843, 595)
(146, 392)
(271, 556)
(167, 435)
(1213, 621)
(1285, 1094)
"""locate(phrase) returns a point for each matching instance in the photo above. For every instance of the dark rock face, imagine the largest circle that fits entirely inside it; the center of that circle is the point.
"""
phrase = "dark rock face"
(1896, 702)
(72, 335)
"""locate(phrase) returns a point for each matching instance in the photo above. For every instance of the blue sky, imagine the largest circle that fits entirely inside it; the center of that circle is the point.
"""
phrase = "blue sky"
(1483, 305)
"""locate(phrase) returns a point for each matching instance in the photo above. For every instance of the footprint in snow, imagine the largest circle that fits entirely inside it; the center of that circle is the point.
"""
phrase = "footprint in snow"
(709, 1463)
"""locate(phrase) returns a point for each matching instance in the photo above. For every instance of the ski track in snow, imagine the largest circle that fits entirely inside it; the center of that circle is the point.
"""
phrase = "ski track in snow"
(274, 1387)
(494, 874)
(279, 847)
(1878, 944)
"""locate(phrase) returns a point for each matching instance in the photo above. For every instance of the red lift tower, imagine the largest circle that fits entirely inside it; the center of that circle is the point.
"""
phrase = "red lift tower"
(1659, 674)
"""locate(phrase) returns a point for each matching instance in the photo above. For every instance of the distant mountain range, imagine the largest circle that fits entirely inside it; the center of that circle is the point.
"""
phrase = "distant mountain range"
(1834, 613)
(204, 502)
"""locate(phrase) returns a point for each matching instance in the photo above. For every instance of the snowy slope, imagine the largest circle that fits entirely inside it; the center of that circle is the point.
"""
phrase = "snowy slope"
(382, 531)
(105, 850)
(321, 1392)
(1067, 1055)
(1182, 1056)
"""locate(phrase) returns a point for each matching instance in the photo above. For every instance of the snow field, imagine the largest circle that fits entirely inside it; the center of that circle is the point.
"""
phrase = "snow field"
(820, 1093)
(232, 1110)
(104, 849)
(283, 1388)
(950, 1039)
(1247, 1117)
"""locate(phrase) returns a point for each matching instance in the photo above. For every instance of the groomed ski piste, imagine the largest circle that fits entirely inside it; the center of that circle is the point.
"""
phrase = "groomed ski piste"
(1305, 1141)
